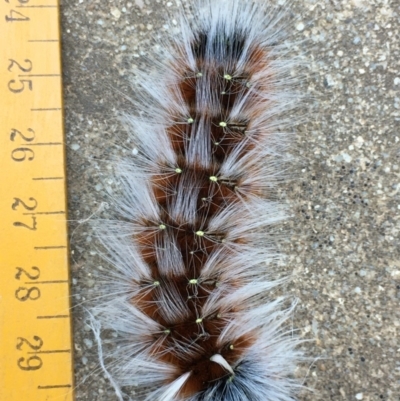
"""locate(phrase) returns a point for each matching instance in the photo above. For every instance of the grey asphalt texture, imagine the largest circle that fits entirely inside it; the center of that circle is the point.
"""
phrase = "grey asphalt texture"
(342, 244)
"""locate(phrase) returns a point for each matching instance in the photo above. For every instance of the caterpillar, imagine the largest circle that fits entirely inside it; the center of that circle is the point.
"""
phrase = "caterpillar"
(190, 290)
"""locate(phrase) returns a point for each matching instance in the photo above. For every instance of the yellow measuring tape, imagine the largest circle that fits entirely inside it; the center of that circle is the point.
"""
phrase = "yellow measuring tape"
(35, 321)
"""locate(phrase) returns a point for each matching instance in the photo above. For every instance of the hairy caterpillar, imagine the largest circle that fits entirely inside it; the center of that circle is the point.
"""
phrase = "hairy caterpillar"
(190, 292)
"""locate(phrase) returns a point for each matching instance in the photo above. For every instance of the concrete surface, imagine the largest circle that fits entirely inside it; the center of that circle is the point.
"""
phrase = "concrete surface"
(343, 242)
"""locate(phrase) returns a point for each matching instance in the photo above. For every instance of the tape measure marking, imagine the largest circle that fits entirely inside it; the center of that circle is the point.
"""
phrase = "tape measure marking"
(35, 321)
